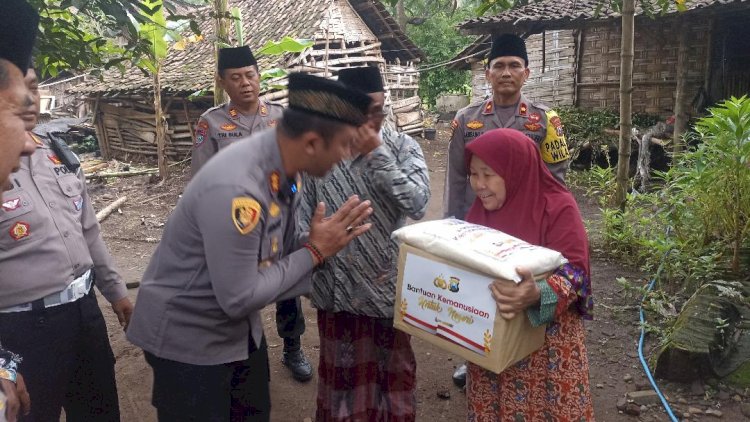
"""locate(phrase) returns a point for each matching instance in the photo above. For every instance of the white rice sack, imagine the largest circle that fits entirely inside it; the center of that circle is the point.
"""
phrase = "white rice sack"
(483, 249)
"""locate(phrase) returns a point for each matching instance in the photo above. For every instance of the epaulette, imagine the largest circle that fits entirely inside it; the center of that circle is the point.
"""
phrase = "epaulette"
(541, 106)
(213, 109)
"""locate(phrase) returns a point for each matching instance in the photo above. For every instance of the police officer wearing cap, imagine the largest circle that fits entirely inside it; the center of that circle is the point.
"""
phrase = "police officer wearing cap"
(244, 115)
(51, 256)
(507, 71)
(229, 249)
(17, 36)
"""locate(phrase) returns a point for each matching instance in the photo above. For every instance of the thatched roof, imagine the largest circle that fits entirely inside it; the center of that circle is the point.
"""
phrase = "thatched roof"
(566, 14)
(193, 69)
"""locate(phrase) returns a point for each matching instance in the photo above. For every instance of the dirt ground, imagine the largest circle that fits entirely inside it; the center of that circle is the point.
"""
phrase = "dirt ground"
(612, 337)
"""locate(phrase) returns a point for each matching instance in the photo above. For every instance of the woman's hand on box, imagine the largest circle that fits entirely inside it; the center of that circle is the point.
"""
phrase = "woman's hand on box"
(513, 298)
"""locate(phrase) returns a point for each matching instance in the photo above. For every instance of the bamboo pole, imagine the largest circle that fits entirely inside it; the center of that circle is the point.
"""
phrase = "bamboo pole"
(222, 33)
(161, 135)
(680, 112)
(626, 100)
(104, 213)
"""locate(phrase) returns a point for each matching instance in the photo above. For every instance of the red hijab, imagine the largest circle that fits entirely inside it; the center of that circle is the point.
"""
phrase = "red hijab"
(537, 208)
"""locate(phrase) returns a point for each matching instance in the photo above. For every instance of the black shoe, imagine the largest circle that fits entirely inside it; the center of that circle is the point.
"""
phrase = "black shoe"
(459, 376)
(297, 363)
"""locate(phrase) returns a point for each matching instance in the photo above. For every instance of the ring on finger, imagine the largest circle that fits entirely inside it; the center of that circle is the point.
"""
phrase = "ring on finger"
(349, 229)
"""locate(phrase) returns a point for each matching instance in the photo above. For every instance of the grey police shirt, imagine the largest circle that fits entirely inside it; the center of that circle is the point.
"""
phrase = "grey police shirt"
(222, 258)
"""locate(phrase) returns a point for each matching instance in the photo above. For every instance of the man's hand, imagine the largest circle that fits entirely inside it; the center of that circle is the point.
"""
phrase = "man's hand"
(124, 310)
(367, 139)
(17, 396)
(512, 297)
(331, 234)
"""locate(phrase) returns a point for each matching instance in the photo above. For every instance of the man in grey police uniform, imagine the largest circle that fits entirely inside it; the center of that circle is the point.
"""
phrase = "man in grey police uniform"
(17, 34)
(507, 71)
(243, 115)
(51, 255)
(246, 114)
(229, 249)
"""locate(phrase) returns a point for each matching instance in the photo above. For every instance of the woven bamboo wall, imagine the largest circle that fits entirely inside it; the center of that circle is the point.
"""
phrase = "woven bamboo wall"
(654, 66)
(552, 76)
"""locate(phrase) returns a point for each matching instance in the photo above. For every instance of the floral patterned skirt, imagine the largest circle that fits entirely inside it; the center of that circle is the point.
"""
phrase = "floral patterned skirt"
(551, 384)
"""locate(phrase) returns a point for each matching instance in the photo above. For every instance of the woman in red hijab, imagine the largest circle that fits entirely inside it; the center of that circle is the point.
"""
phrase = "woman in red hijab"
(517, 194)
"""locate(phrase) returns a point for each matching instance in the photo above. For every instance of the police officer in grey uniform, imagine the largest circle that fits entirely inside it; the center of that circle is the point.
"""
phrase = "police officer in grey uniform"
(507, 71)
(228, 250)
(244, 115)
(17, 34)
(51, 256)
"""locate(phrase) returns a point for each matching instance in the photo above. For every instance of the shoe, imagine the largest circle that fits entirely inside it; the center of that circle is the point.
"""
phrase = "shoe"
(296, 361)
(459, 376)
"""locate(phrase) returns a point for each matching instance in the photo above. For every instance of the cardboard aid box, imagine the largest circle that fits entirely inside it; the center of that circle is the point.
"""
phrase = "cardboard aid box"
(451, 306)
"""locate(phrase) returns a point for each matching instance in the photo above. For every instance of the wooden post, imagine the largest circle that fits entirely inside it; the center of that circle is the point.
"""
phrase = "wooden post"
(222, 35)
(680, 109)
(161, 133)
(626, 100)
(577, 65)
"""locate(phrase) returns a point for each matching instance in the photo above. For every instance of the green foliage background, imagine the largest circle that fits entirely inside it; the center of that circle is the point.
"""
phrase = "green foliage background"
(440, 40)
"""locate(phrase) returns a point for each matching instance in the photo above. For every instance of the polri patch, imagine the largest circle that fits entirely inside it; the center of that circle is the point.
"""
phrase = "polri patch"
(263, 110)
(523, 109)
(203, 125)
(272, 123)
(245, 213)
(233, 113)
(535, 117)
(274, 244)
(55, 160)
(475, 124)
(228, 127)
(20, 230)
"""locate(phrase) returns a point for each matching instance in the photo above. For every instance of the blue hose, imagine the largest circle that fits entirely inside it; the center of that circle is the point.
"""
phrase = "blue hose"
(664, 402)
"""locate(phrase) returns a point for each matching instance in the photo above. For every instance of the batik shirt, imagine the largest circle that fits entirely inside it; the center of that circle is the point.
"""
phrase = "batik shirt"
(361, 279)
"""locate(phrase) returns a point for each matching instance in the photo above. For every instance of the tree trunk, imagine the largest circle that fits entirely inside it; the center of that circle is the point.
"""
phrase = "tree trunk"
(161, 132)
(221, 24)
(626, 100)
(680, 114)
(401, 14)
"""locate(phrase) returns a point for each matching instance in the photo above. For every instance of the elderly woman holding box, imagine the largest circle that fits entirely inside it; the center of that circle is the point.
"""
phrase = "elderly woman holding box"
(516, 194)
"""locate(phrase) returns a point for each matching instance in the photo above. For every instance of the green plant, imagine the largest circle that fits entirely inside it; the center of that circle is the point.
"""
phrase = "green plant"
(438, 38)
(716, 176)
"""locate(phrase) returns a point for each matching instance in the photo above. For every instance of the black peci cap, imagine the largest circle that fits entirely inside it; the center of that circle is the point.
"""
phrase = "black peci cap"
(366, 79)
(235, 58)
(508, 45)
(18, 33)
(327, 98)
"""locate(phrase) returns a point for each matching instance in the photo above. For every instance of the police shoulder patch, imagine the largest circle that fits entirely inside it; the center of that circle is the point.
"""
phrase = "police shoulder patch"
(246, 213)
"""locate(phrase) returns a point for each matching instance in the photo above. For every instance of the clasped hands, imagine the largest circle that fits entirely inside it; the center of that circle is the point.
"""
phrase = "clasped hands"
(331, 234)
